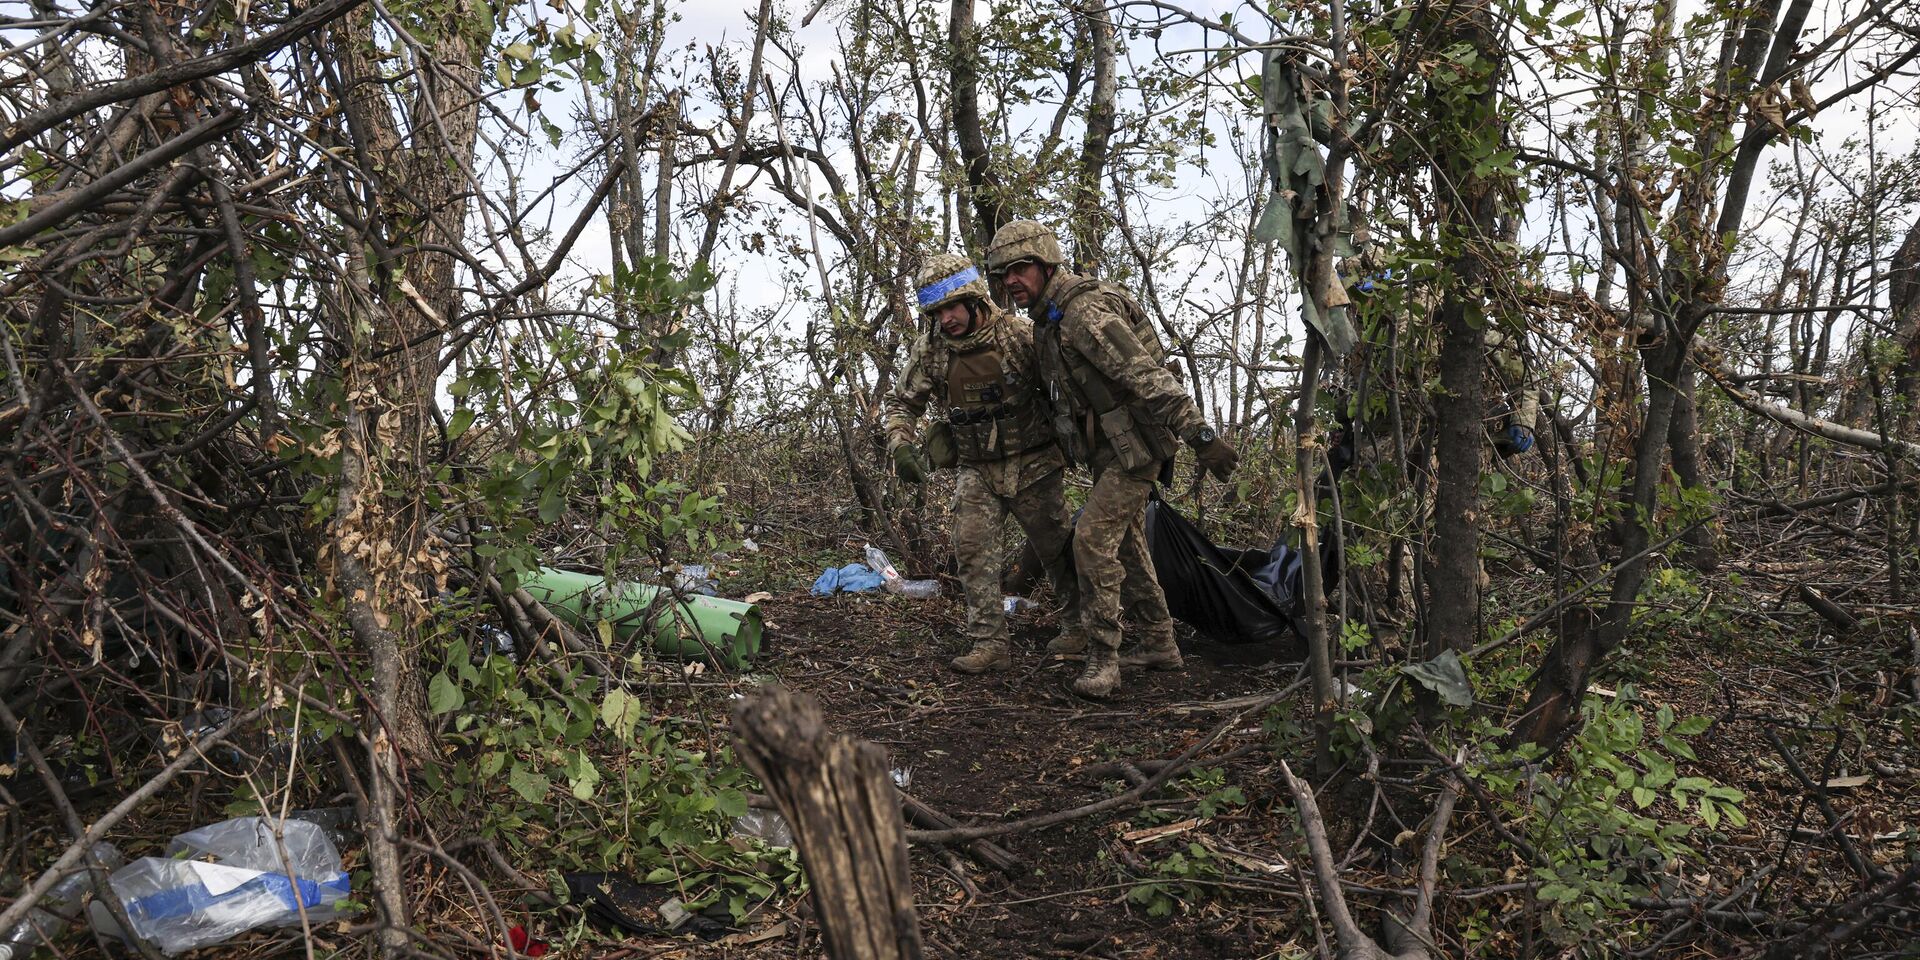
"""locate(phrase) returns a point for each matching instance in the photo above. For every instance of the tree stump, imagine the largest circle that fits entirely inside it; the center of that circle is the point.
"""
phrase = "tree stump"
(845, 814)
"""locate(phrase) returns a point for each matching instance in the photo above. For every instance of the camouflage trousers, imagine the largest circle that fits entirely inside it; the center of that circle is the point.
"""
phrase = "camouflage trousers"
(1113, 562)
(980, 508)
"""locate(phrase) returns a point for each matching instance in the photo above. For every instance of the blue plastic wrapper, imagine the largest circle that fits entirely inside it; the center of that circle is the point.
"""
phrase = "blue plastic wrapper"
(852, 578)
(255, 879)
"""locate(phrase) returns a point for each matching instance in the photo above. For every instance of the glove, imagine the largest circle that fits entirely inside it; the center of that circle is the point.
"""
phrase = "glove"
(1519, 439)
(1218, 457)
(906, 463)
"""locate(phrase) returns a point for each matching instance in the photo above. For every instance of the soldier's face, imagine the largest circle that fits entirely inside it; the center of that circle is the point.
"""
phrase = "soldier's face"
(1024, 282)
(955, 319)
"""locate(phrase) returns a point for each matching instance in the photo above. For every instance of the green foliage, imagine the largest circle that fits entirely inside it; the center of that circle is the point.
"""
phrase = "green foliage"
(1610, 818)
(592, 446)
(575, 783)
(573, 776)
(1179, 878)
(1214, 793)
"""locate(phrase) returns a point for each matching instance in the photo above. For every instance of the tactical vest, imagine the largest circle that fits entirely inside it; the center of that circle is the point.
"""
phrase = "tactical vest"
(1085, 400)
(991, 409)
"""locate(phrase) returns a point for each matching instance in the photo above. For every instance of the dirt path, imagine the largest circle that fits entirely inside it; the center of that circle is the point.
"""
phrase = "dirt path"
(983, 749)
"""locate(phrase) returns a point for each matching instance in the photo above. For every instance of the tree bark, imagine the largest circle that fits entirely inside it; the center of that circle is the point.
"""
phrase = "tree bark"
(423, 194)
(836, 794)
(1683, 442)
(983, 186)
(1088, 201)
(1453, 571)
(1312, 578)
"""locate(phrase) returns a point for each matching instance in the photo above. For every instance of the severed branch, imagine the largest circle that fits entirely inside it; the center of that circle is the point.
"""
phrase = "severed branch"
(1833, 613)
(835, 793)
(1409, 937)
(1813, 426)
(1867, 869)
(992, 854)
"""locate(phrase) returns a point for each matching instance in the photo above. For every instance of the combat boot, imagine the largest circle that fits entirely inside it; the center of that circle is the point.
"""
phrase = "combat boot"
(1069, 642)
(1158, 652)
(1101, 678)
(986, 655)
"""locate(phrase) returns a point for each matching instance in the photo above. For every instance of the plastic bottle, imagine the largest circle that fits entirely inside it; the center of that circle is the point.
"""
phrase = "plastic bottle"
(50, 917)
(1014, 605)
(878, 562)
(892, 582)
(918, 589)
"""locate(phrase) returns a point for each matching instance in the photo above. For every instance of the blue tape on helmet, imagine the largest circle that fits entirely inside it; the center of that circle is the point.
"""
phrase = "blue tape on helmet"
(939, 290)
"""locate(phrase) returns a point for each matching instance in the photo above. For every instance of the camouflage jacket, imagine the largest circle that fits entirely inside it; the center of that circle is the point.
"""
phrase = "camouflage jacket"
(1113, 402)
(987, 388)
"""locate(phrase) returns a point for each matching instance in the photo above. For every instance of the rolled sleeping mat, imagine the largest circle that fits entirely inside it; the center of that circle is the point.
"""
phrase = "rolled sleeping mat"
(694, 627)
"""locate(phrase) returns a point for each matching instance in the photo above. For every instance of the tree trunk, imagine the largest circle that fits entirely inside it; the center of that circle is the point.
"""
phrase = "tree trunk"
(1088, 201)
(1683, 441)
(423, 200)
(1453, 572)
(983, 187)
(836, 793)
(1312, 578)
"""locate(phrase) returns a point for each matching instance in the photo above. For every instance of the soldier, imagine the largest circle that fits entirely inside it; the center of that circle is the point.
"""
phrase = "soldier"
(1512, 405)
(1118, 410)
(977, 369)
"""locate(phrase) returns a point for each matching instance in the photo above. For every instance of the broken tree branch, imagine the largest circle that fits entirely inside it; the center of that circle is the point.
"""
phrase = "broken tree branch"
(835, 792)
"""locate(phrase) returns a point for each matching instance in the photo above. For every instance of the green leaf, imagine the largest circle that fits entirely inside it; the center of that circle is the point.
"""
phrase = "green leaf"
(443, 696)
(583, 783)
(532, 787)
(553, 503)
(457, 425)
(731, 803)
(1693, 726)
(1446, 676)
(660, 875)
(522, 51)
(620, 711)
(1643, 798)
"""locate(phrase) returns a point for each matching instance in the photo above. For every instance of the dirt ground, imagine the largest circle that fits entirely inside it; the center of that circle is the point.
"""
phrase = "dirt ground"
(1733, 646)
(1001, 747)
(1005, 746)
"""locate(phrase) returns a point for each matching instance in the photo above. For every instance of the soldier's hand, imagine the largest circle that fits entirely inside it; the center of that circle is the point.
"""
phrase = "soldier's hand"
(906, 463)
(1219, 458)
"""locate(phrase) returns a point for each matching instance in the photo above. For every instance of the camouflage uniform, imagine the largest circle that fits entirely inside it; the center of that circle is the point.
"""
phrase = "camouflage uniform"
(1512, 404)
(986, 393)
(1117, 409)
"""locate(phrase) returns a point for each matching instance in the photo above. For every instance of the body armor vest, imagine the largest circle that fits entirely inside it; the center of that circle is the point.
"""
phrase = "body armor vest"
(991, 408)
(1086, 404)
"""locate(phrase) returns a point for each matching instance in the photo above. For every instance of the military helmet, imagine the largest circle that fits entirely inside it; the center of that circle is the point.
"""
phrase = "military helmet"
(1023, 240)
(947, 277)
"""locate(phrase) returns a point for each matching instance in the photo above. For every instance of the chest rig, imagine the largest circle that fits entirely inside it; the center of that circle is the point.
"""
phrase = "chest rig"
(991, 404)
(1091, 411)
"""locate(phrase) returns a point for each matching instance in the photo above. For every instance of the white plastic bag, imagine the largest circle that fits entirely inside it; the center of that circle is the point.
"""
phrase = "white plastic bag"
(891, 580)
(179, 904)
